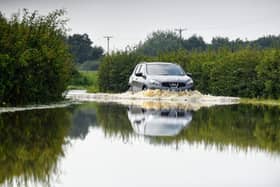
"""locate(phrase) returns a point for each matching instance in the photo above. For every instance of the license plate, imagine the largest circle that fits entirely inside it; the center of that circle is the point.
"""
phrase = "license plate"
(173, 85)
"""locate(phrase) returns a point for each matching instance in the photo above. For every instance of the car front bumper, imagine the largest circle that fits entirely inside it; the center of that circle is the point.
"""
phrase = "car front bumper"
(175, 88)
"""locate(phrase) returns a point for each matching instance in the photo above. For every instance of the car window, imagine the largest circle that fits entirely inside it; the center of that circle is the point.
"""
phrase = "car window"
(164, 69)
(136, 68)
(142, 69)
(139, 69)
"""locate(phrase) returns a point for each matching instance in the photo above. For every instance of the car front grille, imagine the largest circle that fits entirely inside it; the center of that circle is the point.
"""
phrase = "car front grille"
(176, 114)
(173, 84)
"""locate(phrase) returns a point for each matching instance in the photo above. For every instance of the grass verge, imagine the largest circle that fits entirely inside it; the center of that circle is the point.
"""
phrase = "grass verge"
(272, 102)
(84, 80)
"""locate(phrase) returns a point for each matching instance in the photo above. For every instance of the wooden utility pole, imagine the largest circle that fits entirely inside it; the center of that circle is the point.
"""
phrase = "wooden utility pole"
(180, 30)
(108, 43)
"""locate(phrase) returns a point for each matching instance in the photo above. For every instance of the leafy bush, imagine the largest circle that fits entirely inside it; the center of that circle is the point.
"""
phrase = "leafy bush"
(114, 71)
(269, 74)
(35, 63)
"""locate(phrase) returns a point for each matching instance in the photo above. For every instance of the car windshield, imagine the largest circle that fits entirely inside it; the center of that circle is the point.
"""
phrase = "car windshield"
(164, 69)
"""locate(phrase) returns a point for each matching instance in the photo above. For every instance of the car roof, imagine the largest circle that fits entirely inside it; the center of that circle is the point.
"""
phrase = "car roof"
(157, 63)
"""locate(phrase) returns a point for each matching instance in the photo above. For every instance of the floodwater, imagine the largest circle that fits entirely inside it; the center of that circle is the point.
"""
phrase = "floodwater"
(94, 144)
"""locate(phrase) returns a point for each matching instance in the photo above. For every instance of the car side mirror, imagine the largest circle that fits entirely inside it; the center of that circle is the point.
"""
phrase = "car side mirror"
(139, 74)
(189, 74)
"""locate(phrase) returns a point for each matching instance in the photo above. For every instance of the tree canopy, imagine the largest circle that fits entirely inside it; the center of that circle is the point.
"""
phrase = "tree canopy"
(160, 42)
(81, 48)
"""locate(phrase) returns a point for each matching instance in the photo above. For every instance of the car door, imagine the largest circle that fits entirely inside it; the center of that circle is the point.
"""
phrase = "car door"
(137, 81)
(133, 78)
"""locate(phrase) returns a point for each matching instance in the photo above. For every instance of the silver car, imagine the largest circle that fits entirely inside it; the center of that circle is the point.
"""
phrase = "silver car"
(159, 75)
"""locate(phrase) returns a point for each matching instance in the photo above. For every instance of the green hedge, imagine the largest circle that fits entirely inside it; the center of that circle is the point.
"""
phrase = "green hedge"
(35, 63)
(245, 73)
(114, 71)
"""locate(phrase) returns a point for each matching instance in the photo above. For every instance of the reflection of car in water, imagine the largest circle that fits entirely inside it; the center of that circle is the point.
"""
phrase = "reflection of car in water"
(164, 122)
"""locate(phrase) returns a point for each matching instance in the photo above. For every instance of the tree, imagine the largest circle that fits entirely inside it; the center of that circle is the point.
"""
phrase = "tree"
(194, 43)
(160, 42)
(96, 53)
(81, 48)
(219, 42)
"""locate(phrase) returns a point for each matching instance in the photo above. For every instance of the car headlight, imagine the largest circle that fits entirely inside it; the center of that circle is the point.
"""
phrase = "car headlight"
(189, 81)
(154, 82)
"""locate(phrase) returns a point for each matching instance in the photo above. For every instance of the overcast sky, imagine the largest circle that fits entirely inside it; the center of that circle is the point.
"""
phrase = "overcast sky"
(130, 21)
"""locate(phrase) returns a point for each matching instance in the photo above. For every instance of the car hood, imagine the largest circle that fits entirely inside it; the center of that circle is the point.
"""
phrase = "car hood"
(169, 78)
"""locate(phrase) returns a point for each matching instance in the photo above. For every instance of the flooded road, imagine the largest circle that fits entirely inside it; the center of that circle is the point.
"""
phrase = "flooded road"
(95, 144)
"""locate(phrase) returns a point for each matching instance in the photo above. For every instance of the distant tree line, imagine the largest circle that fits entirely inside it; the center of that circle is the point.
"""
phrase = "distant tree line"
(35, 63)
(247, 72)
(167, 41)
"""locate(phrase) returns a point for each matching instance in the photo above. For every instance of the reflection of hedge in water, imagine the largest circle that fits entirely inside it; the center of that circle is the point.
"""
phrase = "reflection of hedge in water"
(242, 126)
(31, 144)
(82, 120)
(113, 120)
